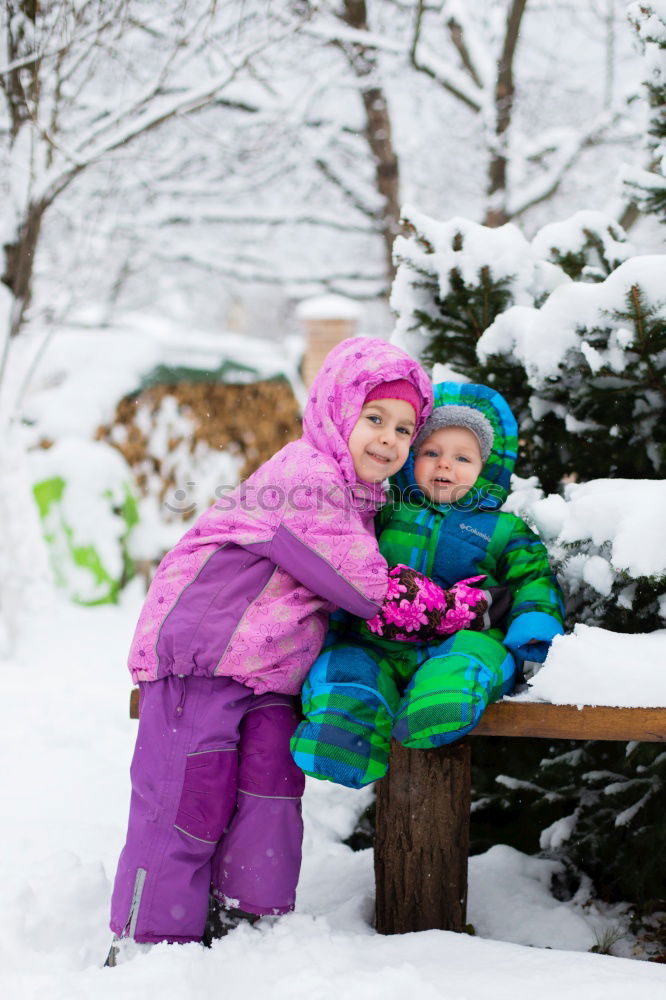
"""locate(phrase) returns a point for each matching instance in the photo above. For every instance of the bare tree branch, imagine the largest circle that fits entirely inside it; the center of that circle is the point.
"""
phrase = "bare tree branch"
(272, 221)
(23, 62)
(38, 102)
(328, 280)
(145, 115)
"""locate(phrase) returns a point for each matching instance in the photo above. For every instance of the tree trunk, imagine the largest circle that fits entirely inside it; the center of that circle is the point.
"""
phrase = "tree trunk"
(21, 90)
(20, 261)
(378, 130)
(497, 214)
(422, 840)
(387, 179)
(21, 84)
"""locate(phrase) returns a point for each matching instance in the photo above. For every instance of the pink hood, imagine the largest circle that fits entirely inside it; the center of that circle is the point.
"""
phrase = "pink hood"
(338, 393)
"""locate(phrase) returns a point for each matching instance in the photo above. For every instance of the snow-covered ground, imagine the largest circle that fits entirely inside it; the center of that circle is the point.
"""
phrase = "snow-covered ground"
(66, 744)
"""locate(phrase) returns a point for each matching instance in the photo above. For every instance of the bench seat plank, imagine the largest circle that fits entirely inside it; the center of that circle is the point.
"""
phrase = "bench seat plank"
(554, 722)
(567, 722)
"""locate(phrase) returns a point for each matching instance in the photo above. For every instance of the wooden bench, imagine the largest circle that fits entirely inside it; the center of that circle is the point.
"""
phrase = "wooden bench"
(423, 806)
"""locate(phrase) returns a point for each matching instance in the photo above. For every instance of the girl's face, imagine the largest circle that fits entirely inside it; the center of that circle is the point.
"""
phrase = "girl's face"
(379, 442)
(448, 464)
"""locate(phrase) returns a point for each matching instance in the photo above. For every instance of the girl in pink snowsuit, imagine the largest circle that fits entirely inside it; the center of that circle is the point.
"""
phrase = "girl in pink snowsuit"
(234, 619)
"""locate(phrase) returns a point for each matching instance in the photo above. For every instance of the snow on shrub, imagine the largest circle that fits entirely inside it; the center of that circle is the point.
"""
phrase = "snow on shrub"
(607, 541)
(601, 802)
(85, 499)
(453, 278)
(588, 245)
(567, 326)
(595, 357)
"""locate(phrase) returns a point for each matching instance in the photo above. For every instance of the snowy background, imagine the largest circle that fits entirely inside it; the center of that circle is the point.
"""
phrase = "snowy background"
(178, 177)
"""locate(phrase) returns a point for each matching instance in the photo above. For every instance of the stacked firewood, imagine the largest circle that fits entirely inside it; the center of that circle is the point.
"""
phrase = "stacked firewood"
(250, 422)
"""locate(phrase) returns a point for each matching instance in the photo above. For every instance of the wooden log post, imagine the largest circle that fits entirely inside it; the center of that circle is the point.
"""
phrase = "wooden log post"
(422, 840)
(423, 805)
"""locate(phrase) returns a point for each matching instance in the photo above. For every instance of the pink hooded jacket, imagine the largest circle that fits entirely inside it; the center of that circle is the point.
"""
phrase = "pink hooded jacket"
(247, 590)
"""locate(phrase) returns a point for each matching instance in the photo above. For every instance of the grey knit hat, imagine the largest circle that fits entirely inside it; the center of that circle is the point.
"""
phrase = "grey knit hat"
(452, 415)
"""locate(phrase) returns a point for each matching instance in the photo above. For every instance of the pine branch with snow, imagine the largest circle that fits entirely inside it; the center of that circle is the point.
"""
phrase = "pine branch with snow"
(593, 354)
(607, 542)
(596, 807)
(597, 804)
(587, 246)
(615, 833)
(476, 299)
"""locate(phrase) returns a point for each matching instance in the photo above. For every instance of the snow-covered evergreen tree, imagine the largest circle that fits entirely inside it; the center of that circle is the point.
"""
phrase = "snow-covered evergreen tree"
(615, 831)
(595, 358)
(596, 806)
(572, 329)
(454, 279)
(569, 329)
(587, 246)
(599, 801)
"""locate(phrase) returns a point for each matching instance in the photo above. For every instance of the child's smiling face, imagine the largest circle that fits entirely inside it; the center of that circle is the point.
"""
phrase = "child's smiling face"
(379, 442)
(448, 464)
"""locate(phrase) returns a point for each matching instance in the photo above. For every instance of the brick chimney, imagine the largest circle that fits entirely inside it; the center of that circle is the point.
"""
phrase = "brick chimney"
(327, 320)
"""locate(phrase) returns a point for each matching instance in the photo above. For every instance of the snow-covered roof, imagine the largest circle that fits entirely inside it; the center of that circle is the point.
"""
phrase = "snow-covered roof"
(92, 369)
(329, 307)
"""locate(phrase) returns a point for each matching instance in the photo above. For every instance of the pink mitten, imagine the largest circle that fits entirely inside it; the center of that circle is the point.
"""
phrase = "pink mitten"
(418, 610)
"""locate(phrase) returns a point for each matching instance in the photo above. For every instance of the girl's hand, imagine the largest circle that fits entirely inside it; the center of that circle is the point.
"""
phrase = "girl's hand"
(418, 610)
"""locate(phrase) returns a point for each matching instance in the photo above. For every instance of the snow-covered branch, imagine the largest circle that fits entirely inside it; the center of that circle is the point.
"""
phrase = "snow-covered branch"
(426, 61)
(353, 197)
(40, 56)
(570, 148)
(277, 219)
(476, 54)
(340, 33)
(254, 271)
(457, 34)
(146, 113)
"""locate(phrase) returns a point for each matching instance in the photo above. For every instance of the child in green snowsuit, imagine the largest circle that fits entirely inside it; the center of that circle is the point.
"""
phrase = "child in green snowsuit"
(371, 683)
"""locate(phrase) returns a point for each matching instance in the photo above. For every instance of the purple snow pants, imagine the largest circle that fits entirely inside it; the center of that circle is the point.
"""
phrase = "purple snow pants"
(216, 803)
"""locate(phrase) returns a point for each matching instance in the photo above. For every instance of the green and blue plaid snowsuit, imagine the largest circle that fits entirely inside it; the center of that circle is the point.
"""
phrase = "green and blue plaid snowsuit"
(362, 690)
